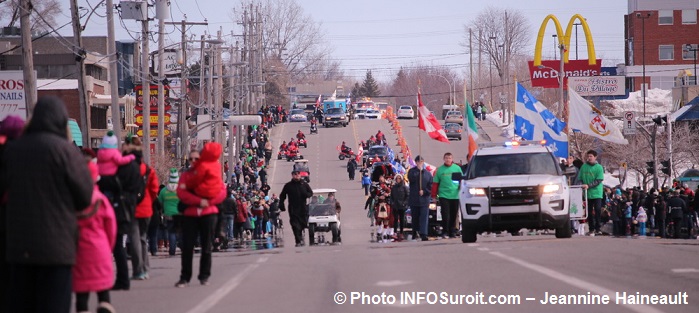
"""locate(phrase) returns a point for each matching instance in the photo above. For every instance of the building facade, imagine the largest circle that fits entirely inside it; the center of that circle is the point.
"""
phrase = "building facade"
(663, 36)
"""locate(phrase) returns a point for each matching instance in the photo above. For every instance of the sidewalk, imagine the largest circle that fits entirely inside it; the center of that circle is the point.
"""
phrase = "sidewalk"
(489, 132)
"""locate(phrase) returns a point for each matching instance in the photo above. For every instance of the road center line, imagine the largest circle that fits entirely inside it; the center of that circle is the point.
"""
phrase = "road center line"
(211, 301)
(576, 282)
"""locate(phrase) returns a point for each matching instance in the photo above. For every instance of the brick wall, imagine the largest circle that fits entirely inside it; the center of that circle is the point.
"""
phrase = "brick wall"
(69, 97)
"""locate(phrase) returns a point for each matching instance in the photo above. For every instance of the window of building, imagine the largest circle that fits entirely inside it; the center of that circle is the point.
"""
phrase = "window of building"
(665, 17)
(689, 16)
(666, 53)
(98, 117)
(688, 52)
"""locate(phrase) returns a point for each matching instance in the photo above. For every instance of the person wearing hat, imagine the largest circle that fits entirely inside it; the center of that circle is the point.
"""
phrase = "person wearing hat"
(169, 201)
(297, 190)
(420, 181)
(45, 182)
(109, 158)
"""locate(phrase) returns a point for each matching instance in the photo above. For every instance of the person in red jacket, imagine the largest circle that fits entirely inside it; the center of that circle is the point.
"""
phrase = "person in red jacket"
(198, 220)
(241, 217)
(139, 228)
(205, 179)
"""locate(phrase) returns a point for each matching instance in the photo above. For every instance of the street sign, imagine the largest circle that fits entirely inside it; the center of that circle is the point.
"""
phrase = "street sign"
(629, 123)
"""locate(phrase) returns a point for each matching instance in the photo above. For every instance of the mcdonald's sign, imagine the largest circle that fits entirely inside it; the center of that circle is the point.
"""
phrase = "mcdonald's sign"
(545, 73)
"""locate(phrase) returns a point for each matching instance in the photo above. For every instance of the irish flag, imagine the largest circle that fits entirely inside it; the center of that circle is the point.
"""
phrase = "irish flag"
(471, 130)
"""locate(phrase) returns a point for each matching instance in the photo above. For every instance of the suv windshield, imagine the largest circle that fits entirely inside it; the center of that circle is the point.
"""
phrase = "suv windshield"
(513, 164)
(297, 111)
(334, 111)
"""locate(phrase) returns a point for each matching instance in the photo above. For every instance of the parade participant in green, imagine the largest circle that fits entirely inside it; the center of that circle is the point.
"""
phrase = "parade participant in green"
(448, 192)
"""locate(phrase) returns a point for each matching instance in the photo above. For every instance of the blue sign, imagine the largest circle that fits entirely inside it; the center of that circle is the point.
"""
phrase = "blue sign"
(608, 71)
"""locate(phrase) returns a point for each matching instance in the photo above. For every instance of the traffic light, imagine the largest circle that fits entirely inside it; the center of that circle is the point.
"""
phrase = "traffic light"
(650, 167)
(666, 167)
(660, 119)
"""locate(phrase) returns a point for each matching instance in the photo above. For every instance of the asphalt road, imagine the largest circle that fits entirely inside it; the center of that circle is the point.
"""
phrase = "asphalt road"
(278, 277)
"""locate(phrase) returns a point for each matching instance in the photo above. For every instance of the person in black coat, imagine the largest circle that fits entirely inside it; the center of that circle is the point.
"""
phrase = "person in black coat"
(399, 203)
(351, 168)
(297, 190)
(420, 180)
(46, 183)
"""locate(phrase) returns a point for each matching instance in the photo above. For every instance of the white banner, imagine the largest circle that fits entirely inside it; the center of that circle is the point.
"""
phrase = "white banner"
(12, 97)
(598, 85)
(578, 210)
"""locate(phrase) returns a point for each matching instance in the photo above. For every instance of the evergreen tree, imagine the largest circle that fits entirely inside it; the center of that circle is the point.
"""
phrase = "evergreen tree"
(357, 92)
(369, 86)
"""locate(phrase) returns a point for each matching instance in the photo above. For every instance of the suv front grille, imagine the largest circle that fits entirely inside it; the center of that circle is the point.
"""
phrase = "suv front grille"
(501, 196)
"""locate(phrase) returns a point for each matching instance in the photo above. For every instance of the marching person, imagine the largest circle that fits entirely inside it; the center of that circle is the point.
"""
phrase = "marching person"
(420, 181)
(448, 192)
(591, 175)
(298, 191)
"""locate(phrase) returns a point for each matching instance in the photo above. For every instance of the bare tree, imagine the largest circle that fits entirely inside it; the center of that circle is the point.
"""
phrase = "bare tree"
(435, 89)
(291, 35)
(509, 31)
(43, 15)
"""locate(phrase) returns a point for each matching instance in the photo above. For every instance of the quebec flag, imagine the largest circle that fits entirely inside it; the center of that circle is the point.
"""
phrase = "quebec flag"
(533, 121)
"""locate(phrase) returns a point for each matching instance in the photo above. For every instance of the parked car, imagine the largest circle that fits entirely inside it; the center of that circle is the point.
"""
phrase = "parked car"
(297, 115)
(453, 130)
(406, 111)
(454, 117)
(372, 114)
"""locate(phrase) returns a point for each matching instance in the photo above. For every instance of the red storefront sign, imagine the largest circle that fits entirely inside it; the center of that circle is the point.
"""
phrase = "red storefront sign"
(153, 97)
(547, 75)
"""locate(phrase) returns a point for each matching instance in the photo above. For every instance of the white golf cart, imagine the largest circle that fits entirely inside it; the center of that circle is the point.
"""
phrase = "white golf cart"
(323, 217)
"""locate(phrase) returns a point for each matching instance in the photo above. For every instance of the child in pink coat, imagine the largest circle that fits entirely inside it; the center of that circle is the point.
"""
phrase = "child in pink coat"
(109, 157)
(93, 270)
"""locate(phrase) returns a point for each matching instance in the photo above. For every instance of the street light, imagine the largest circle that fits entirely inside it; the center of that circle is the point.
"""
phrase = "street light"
(452, 92)
(643, 18)
(554, 46)
(689, 47)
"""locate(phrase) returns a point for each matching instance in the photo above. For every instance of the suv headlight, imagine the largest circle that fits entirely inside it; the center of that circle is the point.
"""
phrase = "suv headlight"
(327, 118)
(342, 117)
(552, 188)
(476, 192)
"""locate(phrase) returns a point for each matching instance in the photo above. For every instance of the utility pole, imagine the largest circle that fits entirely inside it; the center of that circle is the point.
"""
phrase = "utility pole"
(668, 130)
(145, 83)
(28, 54)
(80, 62)
(162, 13)
(113, 77)
(470, 62)
(218, 95)
(182, 127)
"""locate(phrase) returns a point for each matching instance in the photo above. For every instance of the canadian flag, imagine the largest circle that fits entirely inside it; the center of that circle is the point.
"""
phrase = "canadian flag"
(318, 101)
(429, 123)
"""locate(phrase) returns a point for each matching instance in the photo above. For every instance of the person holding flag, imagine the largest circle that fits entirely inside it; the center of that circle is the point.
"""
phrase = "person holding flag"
(447, 190)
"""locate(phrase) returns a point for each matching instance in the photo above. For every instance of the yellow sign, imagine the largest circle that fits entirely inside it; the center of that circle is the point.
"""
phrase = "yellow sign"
(565, 38)
(153, 119)
(153, 132)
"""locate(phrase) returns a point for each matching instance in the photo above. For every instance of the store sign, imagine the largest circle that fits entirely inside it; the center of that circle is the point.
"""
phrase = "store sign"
(598, 85)
(12, 97)
(153, 99)
(153, 119)
(546, 75)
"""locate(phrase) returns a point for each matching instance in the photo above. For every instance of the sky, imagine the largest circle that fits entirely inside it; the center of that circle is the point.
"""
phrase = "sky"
(384, 35)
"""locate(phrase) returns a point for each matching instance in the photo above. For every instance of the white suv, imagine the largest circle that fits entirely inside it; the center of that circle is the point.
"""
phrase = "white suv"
(513, 185)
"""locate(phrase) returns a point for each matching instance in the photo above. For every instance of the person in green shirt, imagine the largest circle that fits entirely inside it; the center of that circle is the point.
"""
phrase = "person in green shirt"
(169, 201)
(448, 192)
(590, 176)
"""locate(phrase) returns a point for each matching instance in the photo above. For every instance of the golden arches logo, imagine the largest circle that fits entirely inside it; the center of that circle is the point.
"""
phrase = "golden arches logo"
(565, 38)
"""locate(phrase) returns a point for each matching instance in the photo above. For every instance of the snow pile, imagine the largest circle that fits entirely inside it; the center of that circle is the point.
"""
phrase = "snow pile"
(658, 102)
